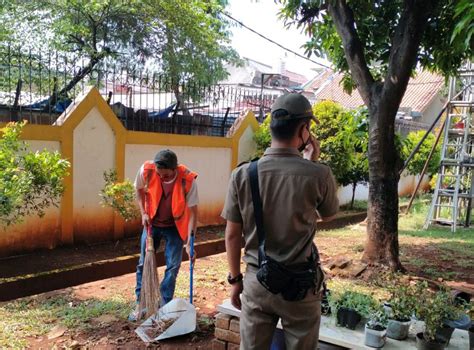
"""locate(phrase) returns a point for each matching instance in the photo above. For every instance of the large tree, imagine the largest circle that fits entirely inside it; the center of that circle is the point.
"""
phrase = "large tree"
(183, 39)
(378, 45)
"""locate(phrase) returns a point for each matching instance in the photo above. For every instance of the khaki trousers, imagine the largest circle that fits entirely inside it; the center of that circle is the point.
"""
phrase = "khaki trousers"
(260, 313)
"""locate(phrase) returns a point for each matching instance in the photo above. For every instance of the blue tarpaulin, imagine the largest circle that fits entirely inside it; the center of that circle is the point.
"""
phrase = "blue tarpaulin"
(163, 113)
(59, 107)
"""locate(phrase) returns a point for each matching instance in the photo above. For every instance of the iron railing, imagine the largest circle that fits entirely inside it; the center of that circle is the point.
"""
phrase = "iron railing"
(37, 87)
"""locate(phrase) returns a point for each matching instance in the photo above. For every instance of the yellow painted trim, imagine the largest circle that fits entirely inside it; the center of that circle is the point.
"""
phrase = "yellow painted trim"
(153, 138)
(36, 132)
(249, 120)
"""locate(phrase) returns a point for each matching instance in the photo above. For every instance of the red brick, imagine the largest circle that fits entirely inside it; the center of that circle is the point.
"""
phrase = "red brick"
(223, 321)
(219, 345)
(227, 335)
(231, 346)
(234, 325)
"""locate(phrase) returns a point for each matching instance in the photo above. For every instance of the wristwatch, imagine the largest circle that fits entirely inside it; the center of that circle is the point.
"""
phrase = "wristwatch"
(234, 280)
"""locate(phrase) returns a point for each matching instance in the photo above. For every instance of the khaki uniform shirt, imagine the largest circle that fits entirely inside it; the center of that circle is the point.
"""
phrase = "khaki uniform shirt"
(293, 190)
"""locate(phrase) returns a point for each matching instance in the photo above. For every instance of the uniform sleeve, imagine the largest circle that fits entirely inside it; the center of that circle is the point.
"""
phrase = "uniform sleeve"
(192, 198)
(330, 204)
(231, 209)
(139, 182)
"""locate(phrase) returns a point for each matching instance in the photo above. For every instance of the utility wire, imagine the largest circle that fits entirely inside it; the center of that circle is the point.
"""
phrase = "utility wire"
(273, 42)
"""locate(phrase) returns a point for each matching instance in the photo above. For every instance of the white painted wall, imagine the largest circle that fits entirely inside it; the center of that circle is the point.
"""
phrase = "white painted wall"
(406, 186)
(247, 145)
(433, 109)
(94, 153)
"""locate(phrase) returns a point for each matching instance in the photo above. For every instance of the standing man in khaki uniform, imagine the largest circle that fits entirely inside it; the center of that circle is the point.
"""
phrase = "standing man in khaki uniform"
(295, 191)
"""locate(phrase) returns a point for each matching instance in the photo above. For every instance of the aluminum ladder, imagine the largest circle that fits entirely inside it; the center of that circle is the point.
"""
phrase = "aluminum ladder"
(454, 193)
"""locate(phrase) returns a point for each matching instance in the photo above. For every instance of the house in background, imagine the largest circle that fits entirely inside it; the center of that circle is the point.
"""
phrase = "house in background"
(421, 104)
(256, 85)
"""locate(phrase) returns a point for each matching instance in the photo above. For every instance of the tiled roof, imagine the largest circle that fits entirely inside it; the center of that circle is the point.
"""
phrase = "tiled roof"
(420, 92)
(317, 82)
(295, 77)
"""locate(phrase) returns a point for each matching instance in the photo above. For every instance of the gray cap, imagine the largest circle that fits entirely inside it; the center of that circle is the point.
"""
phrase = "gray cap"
(166, 159)
(296, 106)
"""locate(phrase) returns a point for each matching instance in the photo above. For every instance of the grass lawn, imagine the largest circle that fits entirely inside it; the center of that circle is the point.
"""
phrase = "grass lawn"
(435, 253)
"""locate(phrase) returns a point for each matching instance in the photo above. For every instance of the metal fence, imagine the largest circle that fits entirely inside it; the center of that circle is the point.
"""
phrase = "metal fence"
(39, 87)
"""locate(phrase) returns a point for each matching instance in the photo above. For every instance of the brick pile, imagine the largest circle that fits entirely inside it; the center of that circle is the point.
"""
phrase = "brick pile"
(227, 333)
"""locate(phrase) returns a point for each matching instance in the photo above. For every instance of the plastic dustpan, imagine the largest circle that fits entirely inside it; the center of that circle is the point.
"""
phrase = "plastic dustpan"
(179, 314)
(176, 318)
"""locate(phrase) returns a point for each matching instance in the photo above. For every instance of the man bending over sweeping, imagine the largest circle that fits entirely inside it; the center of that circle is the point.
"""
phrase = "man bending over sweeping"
(167, 195)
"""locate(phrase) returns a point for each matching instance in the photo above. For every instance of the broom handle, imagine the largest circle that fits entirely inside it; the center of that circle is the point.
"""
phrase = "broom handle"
(149, 238)
(191, 268)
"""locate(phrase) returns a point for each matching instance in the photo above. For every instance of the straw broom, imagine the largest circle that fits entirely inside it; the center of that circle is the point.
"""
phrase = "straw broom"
(150, 292)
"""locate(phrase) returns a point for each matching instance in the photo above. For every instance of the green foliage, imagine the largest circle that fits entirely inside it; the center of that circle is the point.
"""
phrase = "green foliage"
(29, 181)
(182, 39)
(418, 161)
(434, 308)
(464, 29)
(334, 135)
(263, 137)
(402, 301)
(377, 317)
(120, 196)
(359, 302)
(444, 45)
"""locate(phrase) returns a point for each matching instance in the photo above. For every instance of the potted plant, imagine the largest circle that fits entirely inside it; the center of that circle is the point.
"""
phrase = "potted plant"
(350, 307)
(376, 328)
(434, 308)
(401, 308)
(454, 316)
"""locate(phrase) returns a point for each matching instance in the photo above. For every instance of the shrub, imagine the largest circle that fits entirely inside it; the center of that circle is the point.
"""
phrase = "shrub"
(120, 196)
(30, 182)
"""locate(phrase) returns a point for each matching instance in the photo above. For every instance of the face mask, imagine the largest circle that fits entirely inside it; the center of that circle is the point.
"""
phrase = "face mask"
(305, 143)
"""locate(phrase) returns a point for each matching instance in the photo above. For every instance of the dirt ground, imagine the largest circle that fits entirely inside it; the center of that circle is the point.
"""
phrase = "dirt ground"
(108, 332)
(64, 257)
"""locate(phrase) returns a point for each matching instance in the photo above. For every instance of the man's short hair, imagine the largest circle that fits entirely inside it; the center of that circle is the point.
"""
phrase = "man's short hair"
(166, 159)
(285, 130)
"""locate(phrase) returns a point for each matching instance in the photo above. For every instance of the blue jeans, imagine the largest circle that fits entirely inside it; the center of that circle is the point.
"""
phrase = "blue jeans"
(173, 257)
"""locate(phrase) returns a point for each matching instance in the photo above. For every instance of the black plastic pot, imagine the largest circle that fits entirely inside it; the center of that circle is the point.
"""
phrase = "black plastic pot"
(348, 318)
(444, 334)
(422, 344)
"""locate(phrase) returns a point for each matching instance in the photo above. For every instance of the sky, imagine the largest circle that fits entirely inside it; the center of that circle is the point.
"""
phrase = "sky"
(261, 16)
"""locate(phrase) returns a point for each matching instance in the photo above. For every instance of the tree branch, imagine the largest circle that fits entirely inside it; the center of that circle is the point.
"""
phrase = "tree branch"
(405, 43)
(343, 18)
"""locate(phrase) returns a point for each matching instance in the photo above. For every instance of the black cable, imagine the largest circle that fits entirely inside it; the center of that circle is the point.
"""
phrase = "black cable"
(273, 42)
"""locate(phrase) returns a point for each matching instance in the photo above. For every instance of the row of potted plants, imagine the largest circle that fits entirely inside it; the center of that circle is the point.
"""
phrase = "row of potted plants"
(439, 310)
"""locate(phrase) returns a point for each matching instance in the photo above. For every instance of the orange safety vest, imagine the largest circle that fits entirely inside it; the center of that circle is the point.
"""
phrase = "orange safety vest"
(179, 207)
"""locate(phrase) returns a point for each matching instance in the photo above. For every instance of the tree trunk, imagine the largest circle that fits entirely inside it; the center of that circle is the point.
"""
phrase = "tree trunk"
(180, 100)
(382, 230)
(73, 82)
(354, 186)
